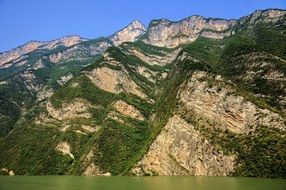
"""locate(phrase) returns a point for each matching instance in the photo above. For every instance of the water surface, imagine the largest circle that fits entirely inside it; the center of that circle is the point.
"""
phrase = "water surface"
(138, 183)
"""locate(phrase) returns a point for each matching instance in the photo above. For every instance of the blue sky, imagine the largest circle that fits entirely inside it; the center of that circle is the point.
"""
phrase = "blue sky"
(24, 20)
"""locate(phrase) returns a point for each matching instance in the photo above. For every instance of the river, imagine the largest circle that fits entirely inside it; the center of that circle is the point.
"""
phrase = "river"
(138, 183)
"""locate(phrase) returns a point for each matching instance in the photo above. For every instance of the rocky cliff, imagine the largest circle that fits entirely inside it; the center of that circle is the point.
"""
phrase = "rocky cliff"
(170, 34)
(129, 34)
(200, 96)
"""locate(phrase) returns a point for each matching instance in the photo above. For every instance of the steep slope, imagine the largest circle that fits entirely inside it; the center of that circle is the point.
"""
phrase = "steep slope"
(43, 71)
(128, 34)
(213, 104)
(165, 33)
(222, 107)
(110, 98)
(36, 69)
(15, 55)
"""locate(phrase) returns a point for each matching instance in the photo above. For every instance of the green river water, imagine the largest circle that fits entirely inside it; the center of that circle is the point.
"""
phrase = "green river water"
(138, 183)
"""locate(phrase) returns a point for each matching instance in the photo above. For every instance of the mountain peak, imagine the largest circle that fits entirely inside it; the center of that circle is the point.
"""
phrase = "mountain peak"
(263, 17)
(128, 34)
(166, 33)
(136, 24)
(33, 45)
(71, 40)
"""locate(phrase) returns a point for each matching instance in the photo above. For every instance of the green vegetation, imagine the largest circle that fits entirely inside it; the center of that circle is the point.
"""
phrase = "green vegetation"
(12, 97)
(246, 51)
(148, 49)
(32, 152)
(260, 154)
(117, 144)
(120, 142)
(85, 89)
(144, 107)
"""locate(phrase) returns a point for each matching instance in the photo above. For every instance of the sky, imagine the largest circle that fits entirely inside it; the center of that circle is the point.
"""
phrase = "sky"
(43, 20)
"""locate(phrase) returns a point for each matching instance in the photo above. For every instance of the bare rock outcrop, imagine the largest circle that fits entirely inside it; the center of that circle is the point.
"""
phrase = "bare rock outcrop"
(129, 33)
(221, 104)
(76, 109)
(65, 149)
(179, 149)
(90, 168)
(161, 58)
(114, 81)
(128, 110)
(165, 33)
(263, 17)
(18, 53)
(80, 52)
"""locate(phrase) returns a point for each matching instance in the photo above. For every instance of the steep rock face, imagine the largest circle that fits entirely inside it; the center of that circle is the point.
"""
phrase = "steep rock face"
(71, 117)
(181, 150)
(114, 81)
(161, 58)
(15, 54)
(44, 93)
(114, 105)
(29, 79)
(165, 33)
(150, 75)
(66, 41)
(78, 108)
(220, 104)
(129, 33)
(80, 52)
(264, 17)
(128, 110)
(266, 79)
(70, 40)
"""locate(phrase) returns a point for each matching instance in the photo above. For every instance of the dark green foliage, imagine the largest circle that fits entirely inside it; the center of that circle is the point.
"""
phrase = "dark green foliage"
(144, 107)
(85, 89)
(260, 154)
(33, 152)
(271, 40)
(264, 155)
(206, 50)
(148, 49)
(118, 144)
(246, 51)
(12, 98)
(261, 39)
(6, 73)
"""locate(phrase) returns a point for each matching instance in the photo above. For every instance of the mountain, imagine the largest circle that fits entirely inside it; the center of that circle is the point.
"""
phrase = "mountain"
(201, 96)
(10, 57)
(129, 34)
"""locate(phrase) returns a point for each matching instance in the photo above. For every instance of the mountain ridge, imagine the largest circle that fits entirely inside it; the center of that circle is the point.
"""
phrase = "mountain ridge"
(208, 102)
(156, 20)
